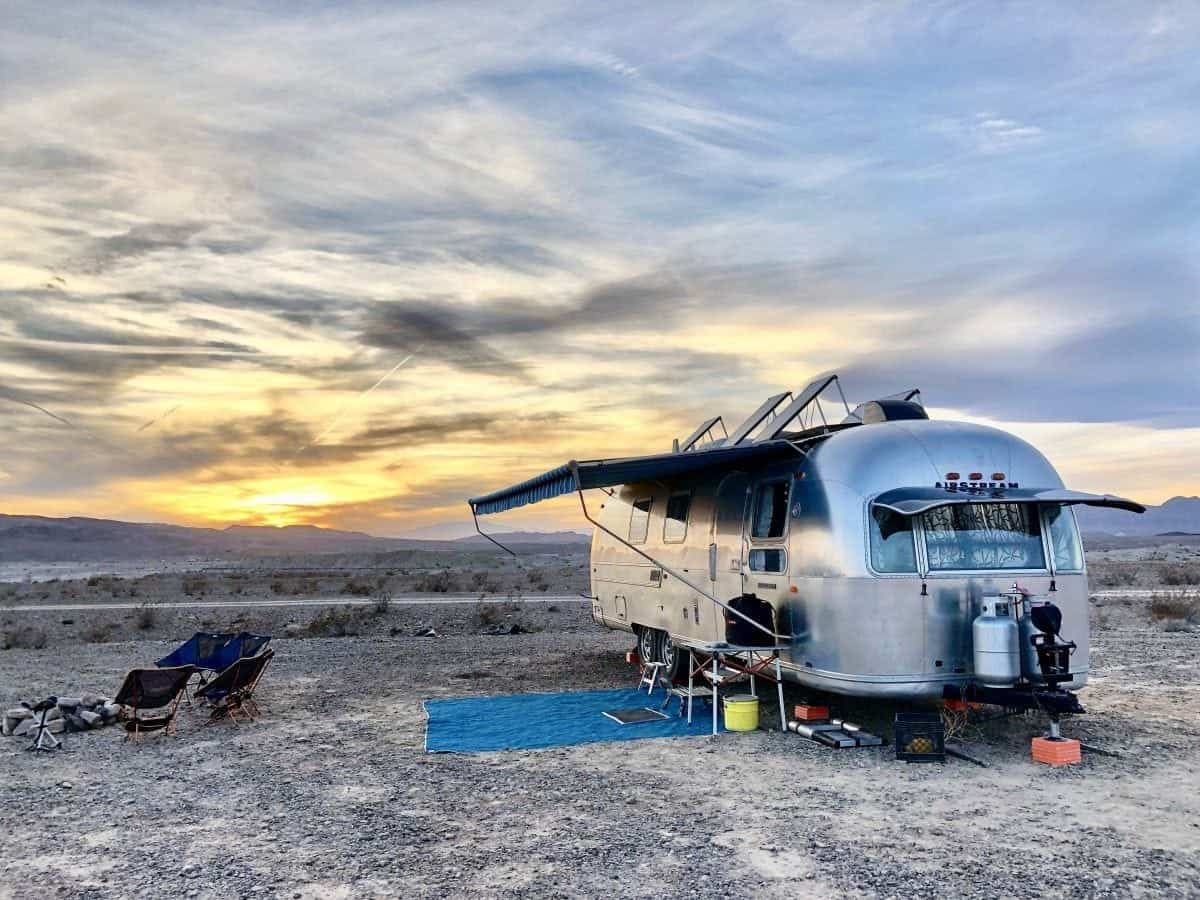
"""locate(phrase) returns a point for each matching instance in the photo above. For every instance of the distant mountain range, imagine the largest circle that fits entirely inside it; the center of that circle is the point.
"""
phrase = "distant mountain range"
(42, 539)
(1179, 514)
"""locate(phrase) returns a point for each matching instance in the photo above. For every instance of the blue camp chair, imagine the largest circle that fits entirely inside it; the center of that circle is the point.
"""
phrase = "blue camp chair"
(198, 651)
(239, 646)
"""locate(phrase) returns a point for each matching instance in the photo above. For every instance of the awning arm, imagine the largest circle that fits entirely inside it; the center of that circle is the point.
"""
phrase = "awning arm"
(784, 638)
(475, 518)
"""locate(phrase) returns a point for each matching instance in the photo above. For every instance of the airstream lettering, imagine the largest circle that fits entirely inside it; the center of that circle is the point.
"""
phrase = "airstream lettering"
(856, 546)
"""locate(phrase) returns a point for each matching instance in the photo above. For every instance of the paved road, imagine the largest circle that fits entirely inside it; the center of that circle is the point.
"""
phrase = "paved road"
(400, 600)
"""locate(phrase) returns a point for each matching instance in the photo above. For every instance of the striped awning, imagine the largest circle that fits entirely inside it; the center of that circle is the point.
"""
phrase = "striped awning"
(597, 473)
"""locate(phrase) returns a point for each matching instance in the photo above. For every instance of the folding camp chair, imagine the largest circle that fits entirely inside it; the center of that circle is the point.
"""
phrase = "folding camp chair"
(148, 690)
(232, 691)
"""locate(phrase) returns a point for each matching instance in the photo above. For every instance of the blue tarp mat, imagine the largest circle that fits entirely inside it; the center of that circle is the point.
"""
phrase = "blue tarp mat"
(532, 721)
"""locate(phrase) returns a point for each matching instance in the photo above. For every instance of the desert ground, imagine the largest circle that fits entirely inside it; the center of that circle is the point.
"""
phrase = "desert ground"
(330, 793)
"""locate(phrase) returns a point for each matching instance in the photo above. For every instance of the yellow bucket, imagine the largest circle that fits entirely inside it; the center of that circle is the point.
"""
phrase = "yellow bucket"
(741, 713)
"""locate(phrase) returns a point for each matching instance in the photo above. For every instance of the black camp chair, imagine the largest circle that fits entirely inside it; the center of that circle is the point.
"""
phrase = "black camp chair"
(232, 691)
(151, 697)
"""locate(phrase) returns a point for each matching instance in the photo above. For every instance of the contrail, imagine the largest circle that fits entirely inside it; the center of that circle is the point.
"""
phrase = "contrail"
(337, 420)
(40, 409)
(155, 421)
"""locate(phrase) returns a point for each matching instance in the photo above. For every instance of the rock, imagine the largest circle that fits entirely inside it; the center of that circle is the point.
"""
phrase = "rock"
(91, 719)
(425, 631)
(110, 710)
(70, 702)
(54, 714)
(58, 726)
(89, 700)
(293, 630)
(13, 718)
(74, 722)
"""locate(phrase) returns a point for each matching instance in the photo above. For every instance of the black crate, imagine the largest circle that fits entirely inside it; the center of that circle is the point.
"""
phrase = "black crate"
(920, 737)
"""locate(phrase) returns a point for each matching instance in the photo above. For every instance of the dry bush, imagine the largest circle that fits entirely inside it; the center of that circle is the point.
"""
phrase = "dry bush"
(336, 622)
(97, 633)
(357, 588)
(1117, 575)
(381, 603)
(1179, 575)
(484, 582)
(24, 638)
(146, 617)
(438, 582)
(488, 614)
(195, 584)
(1177, 605)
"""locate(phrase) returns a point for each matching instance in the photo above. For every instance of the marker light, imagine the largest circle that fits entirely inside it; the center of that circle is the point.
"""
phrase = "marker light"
(952, 476)
(997, 476)
(975, 476)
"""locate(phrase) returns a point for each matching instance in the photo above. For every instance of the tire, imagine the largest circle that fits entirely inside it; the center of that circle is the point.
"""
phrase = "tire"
(673, 655)
(647, 645)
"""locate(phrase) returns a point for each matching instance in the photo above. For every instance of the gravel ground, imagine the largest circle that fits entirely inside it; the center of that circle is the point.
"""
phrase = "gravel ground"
(330, 793)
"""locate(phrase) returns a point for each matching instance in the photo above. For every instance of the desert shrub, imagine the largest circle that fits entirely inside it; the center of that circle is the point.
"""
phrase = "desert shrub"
(1177, 605)
(278, 587)
(484, 582)
(195, 584)
(96, 633)
(1117, 576)
(553, 607)
(146, 617)
(24, 638)
(1179, 575)
(437, 582)
(1174, 625)
(357, 588)
(488, 614)
(335, 621)
(536, 578)
(381, 603)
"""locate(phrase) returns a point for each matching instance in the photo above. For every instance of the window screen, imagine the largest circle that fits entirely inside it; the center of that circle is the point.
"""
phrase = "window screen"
(675, 521)
(984, 536)
(770, 510)
(892, 547)
(639, 521)
(766, 560)
(1064, 540)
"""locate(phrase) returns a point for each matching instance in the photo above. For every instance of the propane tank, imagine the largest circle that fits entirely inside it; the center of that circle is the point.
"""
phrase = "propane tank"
(995, 633)
(1030, 668)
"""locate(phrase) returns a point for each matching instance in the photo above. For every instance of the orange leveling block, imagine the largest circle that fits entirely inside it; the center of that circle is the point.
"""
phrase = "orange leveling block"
(1056, 751)
(806, 713)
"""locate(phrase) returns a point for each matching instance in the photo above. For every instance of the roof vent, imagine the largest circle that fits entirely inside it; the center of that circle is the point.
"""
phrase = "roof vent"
(874, 411)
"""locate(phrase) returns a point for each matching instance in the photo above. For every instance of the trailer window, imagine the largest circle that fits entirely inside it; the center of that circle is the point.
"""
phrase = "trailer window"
(766, 560)
(1064, 539)
(770, 510)
(675, 521)
(892, 547)
(639, 520)
(984, 536)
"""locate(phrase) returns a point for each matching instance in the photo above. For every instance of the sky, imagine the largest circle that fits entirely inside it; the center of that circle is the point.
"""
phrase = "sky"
(349, 264)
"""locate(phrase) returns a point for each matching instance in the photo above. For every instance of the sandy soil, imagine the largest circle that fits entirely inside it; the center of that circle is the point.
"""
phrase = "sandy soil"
(331, 793)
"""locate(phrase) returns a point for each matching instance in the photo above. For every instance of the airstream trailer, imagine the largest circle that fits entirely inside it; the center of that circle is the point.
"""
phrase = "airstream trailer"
(897, 556)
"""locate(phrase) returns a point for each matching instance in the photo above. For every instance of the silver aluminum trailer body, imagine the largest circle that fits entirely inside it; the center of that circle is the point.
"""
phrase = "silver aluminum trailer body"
(875, 544)
(854, 630)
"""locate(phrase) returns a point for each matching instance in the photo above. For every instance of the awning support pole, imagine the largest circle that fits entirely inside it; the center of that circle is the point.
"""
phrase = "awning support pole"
(489, 537)
(780, 638)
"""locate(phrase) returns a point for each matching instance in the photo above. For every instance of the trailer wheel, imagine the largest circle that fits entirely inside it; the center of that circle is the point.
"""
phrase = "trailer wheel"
(647, 645)
(673, 655)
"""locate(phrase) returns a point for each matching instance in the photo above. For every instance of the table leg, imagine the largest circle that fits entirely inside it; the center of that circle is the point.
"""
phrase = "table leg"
(716, 692)
(779, 689)
(691, 682)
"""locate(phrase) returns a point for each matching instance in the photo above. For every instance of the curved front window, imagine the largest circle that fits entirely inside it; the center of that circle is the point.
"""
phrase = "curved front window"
(892, 547)
(974, 536)
(1064, 539)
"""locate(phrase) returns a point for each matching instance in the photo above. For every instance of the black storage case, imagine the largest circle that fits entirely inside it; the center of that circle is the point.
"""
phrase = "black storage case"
(920, 737)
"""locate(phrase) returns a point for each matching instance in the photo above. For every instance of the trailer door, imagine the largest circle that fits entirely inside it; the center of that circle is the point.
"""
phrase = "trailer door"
(726, 551)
